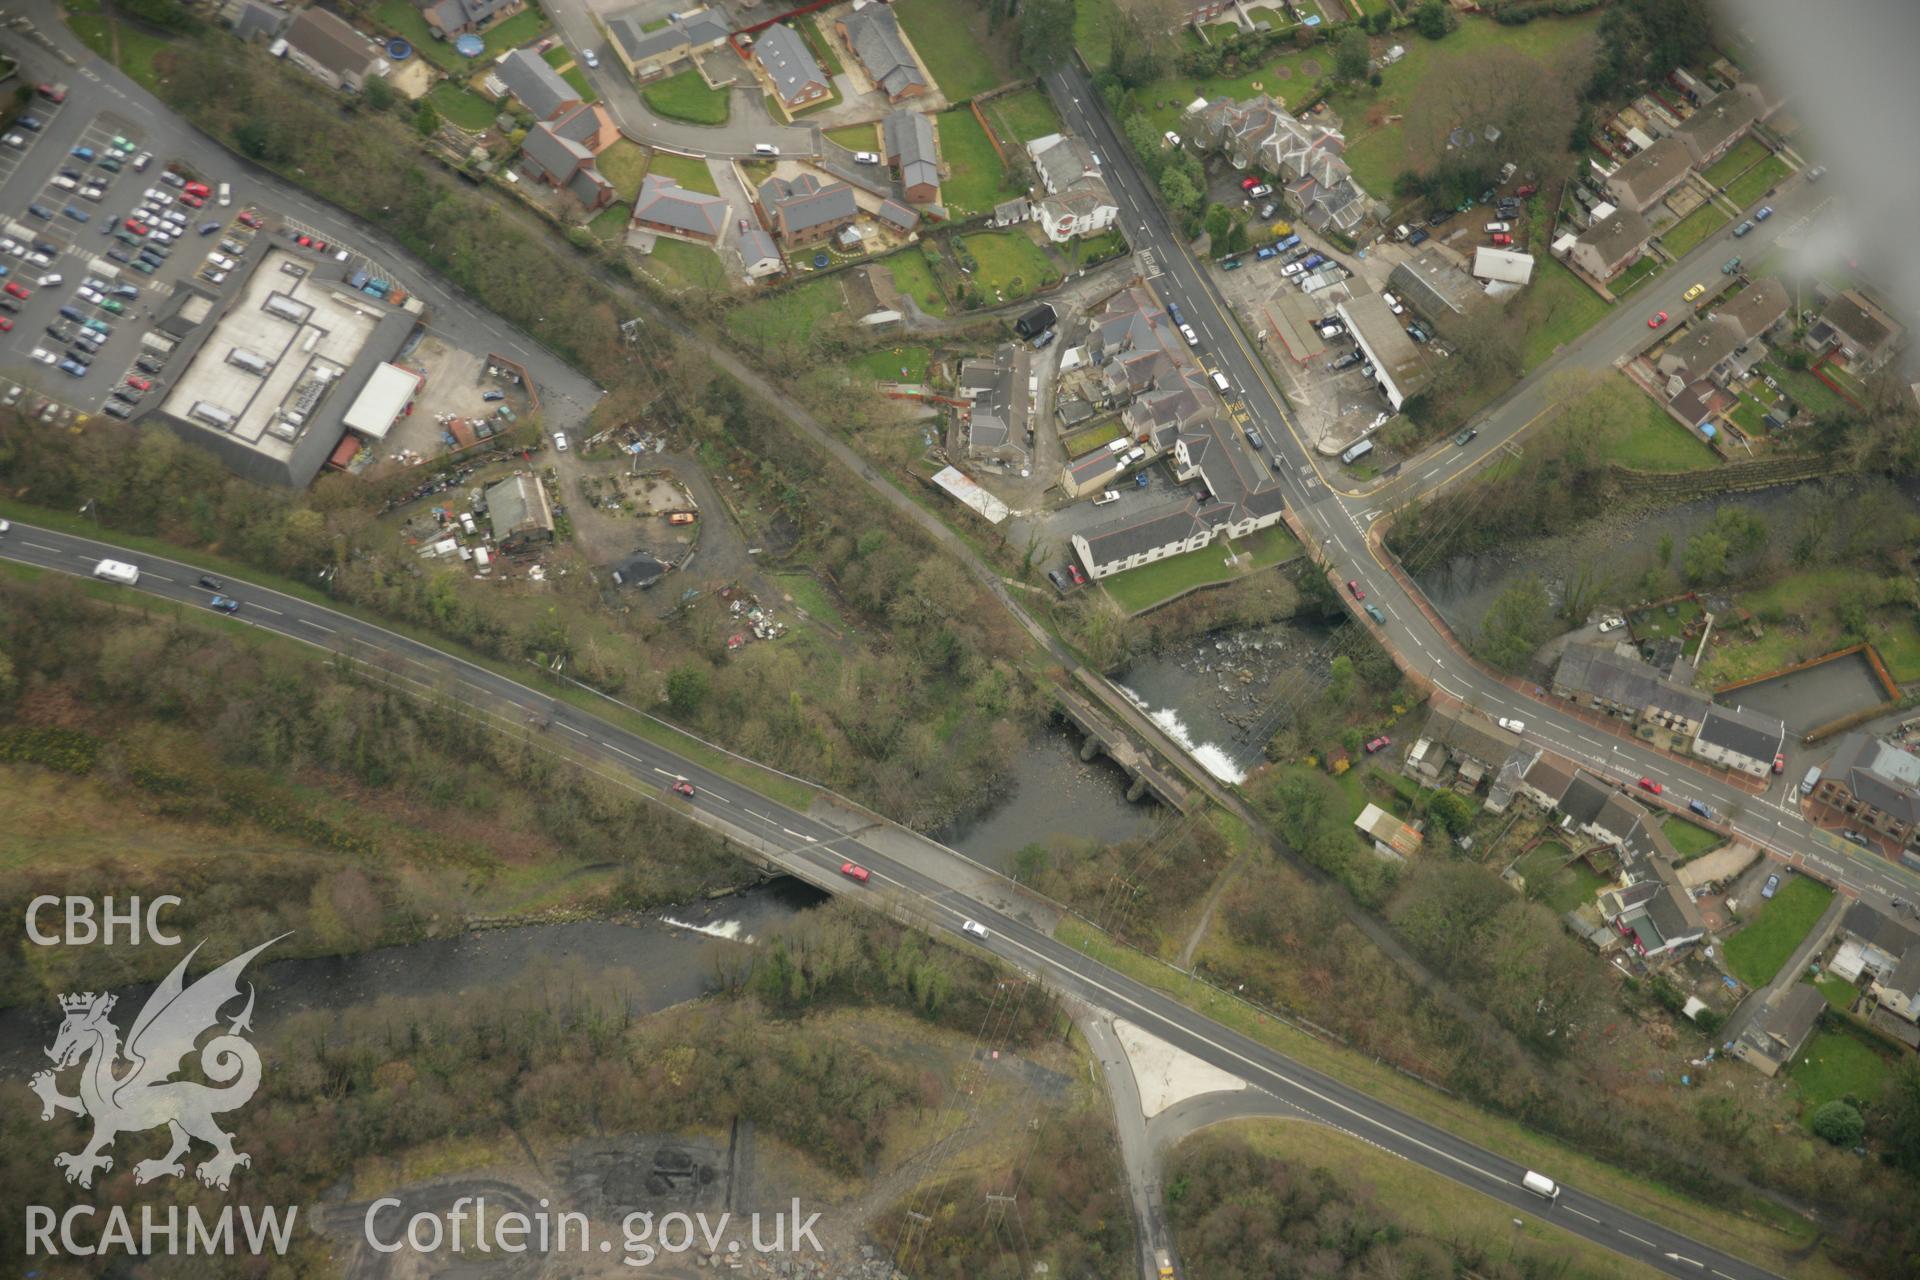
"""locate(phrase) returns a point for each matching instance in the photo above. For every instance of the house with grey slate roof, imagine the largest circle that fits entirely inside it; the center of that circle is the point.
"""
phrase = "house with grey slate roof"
(873, 33)
(450, 18)
(1877, 786)
(666, 207)
(796, 78)
(907, 139)
(1740, 739)
(758, 252)
(804, 210)
(1600, 678)
(525, 76)
(648, 55)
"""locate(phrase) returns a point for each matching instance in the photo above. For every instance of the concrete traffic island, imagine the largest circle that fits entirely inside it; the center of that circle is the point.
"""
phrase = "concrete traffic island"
(1166, 1075)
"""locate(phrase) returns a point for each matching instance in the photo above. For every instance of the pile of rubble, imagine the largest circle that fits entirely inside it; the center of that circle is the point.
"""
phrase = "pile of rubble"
(761, 622)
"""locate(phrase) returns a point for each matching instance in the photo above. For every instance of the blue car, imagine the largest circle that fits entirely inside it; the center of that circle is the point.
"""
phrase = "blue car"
(84, 153)
(73, 313)
(1266, 251)
(73, 368)
(225, 604)
(29, 122)
(78, 215)
(1173, 309)
(40, 211)
(125, 291)
(1763, 213)
(1291, 242)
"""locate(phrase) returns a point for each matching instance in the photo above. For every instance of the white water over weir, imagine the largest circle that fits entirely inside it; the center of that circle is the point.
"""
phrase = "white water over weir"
(1215, 759)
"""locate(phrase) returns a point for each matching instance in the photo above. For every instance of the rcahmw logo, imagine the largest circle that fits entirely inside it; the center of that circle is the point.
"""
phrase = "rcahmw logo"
(126, 1087)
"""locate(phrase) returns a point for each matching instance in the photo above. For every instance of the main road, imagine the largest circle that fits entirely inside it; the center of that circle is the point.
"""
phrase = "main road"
(1341, 520)
(940, 887)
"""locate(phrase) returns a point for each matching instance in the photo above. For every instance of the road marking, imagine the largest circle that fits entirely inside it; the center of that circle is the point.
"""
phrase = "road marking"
(1589, 1217)
(318, 626)
(37, 547)
(582, 732)
(769, 821)
(797, 836)
(1629, 1235)
(1689, 1261)
(275, 612)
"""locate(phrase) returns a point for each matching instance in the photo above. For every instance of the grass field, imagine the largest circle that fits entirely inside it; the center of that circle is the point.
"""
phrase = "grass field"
(1653, 441)
(788, 316)
(1425, 1204)
(403, 18)
(462, 107)
(1688, 839)
(1011, 264)
(685, 96)
(1756, 953)
(685, 170)
(1838, 1065)
(1151, 584)
(977, 181)
(1559, 309)
(138, 49)
(1811, 598)
(855, 137)
(1093, 31)
(1837, 992)
(576, 76)
(1553, 879)
(1023, 115)
(1750, 186)
(623, 164)
(912, 276)
(1687, 234)
(895, 364)
(954, 42)
(679, 265)
(610, 224)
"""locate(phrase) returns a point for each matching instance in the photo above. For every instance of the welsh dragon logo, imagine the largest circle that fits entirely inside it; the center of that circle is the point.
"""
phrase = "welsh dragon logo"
(141, 1093)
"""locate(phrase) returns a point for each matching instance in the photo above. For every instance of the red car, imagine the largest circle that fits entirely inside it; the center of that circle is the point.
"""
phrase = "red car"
(1780, 764)
(136, 226)
(18, 290)
(681, 787)
(1524, 192)
(1657, 319)
(319, 246)
(1353, 589)
(1501, 239)
(305, 242)
(200, 189)
(854, 871)
(192, 201)
(139, 384)
(1380, 743)
(1648, 784)
(249, 217)
(1249, 182)
(6, 325)
(1073, 572)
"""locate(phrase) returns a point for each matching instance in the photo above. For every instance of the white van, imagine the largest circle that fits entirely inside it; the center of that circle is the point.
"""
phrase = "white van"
(1357, 452)
(1120, 445)
(1220, 381)
(765, 149)
(1812, 780)
(117, 571)
(1541, 1185)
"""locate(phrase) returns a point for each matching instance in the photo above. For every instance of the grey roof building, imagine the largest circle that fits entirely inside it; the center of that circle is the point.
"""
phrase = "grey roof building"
(537, 86)
(332, 52)
(804, 209)
(1397, 366)
(908, 139)
(1611, 243)
(664, 205)
(1863, 332)
(449, 18)
(1644, 180)
(897, 215)
(997, 414)
(647, 54)
(759, 253)
(1434, 285)
(253, 20)
(1876, 785)
(1600, 677)
(873, 33)
(518, 511)
(1781, 1027)
(797, 78)
(1740, 739)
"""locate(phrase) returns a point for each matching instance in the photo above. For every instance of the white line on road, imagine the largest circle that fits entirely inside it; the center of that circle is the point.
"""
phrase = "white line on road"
(1629, 1235)
(37, 547)
(763, 817)
(275, 612)
(318, 626)
(570, 729)
(1589, 1217)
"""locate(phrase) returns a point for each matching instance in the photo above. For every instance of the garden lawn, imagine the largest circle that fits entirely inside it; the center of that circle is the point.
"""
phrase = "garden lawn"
(1812, 599)
(823, 50)
(952, 39)
(977, 180)
(1812, 394)
(403, 18)
(856, 137)
(1837, 992)
(1756, 953)
(1023, 115)
(1152, 584)
(1635, 276)
(1093, 31)
(576, 76)
(1750, 186)
(1011, 265)
(1551, 878)
(610, 224)
(1688, 839)
(624, 164)
(558, 56)
(1559, 308)
(680, 264)
(1836, 1064)
(1684, 236)
(904, 364)
(462, 107)
(685, 96)
(1750, 152)
(789, 316)
(912, 276)
(685, 170)
(1653, 441)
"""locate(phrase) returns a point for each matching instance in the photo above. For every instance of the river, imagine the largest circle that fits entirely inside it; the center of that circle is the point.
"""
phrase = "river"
(665, 954)
(1050, 792)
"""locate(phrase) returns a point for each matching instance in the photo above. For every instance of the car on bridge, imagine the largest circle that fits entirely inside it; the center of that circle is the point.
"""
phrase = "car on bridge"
(854, 871)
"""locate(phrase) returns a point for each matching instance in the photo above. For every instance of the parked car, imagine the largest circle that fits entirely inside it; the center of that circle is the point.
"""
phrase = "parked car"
(1499, 226)
(1693, 293)
(1249, 182)
(1771, 887)
(1257, 192)
(1502, 240)
(1611, 624)
(1058, 579)
(560, 441)
(1701, 808)
(1743, 228)
(1354, 589)
(591, 58)
(1763, 213)
(1380, 743)
(1730, 266)
(866, 157)
(1266, 251)
(1513, 726)
(1657, 319)
(1779, 764)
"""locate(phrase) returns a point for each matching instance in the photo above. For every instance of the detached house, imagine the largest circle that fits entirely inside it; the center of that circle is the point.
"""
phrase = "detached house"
(908, 139)
(1780, 1028)
(666, 207)
(1077, 201)
(525, 76)
(518, 510)
(873, 33)
(326, 48)
(804, 210)
(1856, 329)
(796, 78)
(1305, 160)
(561, 153)
(648, 55)
(450, 18)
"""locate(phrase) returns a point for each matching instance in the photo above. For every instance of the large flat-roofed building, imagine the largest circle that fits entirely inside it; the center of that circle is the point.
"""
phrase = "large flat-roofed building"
(1397, 366)
(268, 382)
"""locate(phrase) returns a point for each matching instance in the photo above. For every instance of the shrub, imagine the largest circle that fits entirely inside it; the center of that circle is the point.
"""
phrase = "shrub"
(1840, 1123)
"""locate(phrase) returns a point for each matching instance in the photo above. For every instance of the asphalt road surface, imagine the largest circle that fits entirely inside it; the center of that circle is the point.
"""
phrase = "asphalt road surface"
(944, 888)
(1341, 520)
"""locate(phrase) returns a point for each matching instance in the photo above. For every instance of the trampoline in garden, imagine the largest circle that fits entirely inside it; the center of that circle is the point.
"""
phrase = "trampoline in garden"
(399, 50)
(469, 46)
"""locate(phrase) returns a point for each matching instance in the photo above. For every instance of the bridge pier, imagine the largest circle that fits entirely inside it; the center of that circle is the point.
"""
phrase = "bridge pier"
(1138, 789)
(1091, 748)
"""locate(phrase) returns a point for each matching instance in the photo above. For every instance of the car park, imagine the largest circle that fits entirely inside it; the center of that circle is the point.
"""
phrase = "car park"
(141, 161)
(198, 189)
(226, 189)
(220, 261)
(83, 153)
(139, 384)
(192, 201)
(212, 276)
(18, 141)
(73, 368)
(249, 218)
(1512, 726)
(18, 290)
(172, 179)
(77, 214)
(41, 212)
(42, 355)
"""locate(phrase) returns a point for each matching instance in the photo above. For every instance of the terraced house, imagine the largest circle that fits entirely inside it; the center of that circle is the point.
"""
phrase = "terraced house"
(873, 33)
(1876, 786)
